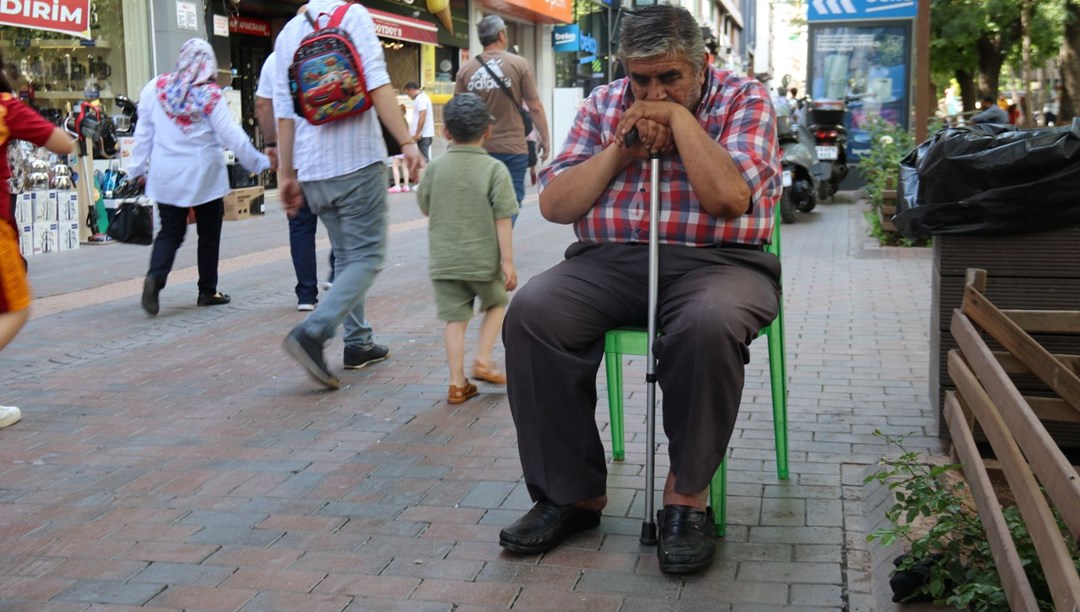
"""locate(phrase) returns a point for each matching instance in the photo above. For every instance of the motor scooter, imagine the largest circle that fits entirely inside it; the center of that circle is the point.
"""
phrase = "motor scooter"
(797, 159)
(830, 139)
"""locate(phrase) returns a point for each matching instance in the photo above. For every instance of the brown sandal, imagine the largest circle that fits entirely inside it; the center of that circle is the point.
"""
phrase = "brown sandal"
(457, 395)
(487, 372)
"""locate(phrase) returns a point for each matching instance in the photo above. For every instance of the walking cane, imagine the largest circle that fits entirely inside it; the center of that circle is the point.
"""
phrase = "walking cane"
(648, 526)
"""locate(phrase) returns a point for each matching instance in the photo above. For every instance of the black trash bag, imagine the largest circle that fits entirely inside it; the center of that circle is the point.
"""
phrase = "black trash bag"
(907, 192)
(995, 180)
(907, 584)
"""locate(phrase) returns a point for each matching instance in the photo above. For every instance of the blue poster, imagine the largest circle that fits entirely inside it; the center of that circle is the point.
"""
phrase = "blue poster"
(867, 67)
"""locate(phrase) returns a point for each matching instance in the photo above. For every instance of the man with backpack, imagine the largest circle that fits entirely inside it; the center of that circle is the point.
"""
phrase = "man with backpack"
(330, 152)
(504, 81)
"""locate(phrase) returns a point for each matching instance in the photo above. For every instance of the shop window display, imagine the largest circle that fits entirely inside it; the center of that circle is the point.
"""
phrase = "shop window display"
(51, 70)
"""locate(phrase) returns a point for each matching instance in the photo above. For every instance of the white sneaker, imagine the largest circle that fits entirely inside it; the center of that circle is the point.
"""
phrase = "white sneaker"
(9, 415)
(305, 307)
(325, 286)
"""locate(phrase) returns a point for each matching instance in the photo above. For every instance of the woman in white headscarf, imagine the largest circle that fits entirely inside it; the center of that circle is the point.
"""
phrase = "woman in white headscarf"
(183, 126)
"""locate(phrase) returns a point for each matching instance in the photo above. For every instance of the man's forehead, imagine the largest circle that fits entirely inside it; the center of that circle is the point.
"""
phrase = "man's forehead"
(658, 64)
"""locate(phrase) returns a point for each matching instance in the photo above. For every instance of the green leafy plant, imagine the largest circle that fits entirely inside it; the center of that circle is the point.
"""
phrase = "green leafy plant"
(933, 516)
(880, 165)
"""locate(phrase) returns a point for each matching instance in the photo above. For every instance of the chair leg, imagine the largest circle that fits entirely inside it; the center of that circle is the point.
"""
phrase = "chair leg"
(718, 498)
(613, 363)
(778, 381)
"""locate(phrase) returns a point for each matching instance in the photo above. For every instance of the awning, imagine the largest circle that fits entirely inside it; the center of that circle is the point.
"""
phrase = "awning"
(389, 25)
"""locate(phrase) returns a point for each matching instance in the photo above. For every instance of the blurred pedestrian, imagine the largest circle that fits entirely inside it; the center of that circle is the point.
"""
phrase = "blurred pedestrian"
(991, 112)
(422, 126)
(505, 81)
(470, 199)
(178, 151)
(303, 225)
(17, 122)
(338, 169)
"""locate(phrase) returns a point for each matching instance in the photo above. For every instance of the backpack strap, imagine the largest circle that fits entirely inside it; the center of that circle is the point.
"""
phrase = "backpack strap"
(335, 18)
(339, 15)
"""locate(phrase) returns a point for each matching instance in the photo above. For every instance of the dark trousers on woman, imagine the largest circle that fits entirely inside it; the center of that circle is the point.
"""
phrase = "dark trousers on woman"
(208, 219)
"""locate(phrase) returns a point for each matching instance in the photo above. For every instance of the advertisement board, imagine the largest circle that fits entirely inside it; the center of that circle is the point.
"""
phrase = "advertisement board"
(848, 10)
(867, 65)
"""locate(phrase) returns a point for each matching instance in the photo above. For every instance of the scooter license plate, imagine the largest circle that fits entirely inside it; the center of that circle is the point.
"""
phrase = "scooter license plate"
(787, 178)
(827, 153)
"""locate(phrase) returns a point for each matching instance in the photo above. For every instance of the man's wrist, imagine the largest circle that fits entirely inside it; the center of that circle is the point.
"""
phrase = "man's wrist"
(407, 144)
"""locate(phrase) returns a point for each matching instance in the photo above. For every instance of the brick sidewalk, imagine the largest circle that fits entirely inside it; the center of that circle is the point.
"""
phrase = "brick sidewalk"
(185, 462)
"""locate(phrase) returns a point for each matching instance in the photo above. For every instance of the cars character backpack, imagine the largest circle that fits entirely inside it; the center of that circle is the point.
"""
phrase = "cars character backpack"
(326, 77)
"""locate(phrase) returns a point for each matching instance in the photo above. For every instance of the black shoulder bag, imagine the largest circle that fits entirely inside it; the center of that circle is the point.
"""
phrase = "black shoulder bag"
(525, 118)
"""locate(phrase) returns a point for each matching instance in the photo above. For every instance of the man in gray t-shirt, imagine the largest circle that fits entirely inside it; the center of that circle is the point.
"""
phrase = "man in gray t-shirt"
(991, 113)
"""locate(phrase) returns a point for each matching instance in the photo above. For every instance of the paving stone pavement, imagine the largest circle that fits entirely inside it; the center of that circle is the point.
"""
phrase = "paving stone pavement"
(185, 462)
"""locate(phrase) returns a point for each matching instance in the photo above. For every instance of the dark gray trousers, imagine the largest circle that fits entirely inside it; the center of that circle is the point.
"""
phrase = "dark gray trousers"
(712, 303)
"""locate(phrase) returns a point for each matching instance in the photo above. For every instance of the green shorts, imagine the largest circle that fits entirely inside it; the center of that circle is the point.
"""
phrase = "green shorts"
(454, 298)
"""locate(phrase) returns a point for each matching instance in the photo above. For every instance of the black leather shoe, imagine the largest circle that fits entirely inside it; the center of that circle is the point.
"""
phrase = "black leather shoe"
(213, 299)
(687, 539)
(546, 526)
(150, 289)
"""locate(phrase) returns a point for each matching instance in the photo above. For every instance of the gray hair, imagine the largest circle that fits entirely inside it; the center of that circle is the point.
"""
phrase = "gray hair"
(466, 116)
(488, 29)
(660, 29)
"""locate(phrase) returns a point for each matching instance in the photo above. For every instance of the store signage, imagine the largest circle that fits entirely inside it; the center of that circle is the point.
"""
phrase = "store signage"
(557, 11)
(570, 38)
(399, 27)
(65, 16)
(843, 10)
(249, 26)
(564, 38)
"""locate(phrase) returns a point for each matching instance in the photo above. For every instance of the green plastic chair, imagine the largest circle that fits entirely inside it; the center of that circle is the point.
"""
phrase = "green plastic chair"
(632, 341)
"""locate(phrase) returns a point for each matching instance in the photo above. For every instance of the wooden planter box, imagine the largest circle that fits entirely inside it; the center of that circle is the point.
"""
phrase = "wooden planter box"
(1036, 271)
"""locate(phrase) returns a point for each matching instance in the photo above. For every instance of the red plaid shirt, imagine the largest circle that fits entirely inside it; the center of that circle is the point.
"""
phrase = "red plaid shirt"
(738, 114)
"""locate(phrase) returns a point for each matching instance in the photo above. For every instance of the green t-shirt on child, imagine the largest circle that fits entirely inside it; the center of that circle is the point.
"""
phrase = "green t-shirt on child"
(463, 192)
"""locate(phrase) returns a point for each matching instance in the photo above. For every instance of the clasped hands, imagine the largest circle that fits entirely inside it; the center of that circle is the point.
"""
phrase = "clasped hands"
(655, 123)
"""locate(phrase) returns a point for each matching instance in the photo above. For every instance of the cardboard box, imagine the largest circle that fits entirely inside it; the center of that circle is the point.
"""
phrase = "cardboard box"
(44, 204)
(24, 209)
(46, 237)
(69, 235)
(26, 239)
(67, 206)
(238, 203)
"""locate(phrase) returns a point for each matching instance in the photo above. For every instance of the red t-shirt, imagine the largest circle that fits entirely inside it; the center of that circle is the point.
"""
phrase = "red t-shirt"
(17, 122)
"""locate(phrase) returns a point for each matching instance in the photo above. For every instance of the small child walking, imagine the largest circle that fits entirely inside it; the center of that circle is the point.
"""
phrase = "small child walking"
(470, 198)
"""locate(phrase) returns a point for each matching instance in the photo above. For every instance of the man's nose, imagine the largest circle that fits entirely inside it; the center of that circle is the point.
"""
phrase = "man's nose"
(656, 92)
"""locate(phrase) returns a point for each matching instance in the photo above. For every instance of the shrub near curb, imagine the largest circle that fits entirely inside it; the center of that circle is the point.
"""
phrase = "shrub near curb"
(880, 167)
(948, 559)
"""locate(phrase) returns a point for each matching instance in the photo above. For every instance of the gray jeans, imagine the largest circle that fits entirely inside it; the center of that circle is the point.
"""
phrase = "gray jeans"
(353, 209)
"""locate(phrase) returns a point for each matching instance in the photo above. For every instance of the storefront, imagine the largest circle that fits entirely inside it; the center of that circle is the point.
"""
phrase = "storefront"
(74, 50)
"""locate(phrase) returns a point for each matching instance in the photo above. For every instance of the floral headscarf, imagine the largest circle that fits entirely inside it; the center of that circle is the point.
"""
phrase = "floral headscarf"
(189, 92)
